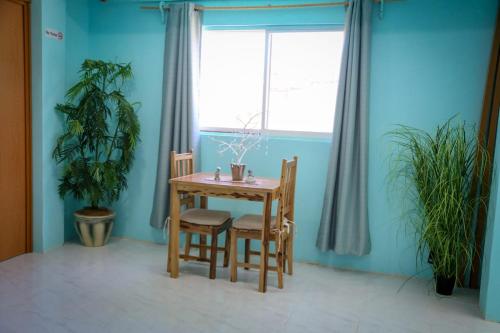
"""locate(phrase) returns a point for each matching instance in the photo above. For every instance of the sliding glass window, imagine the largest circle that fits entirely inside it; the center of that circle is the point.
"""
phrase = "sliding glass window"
(274, 80)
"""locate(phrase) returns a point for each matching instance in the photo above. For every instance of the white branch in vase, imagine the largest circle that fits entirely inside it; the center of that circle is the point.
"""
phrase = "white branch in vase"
(246, 139)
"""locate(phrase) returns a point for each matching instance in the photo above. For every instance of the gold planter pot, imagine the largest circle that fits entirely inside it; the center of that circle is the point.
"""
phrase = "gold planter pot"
(94, 226)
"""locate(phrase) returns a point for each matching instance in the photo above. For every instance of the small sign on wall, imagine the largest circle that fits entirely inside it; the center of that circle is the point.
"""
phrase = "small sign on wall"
(51, 33)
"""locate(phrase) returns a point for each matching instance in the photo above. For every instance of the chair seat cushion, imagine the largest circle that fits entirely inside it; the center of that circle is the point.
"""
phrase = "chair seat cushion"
(205, 216)
(252, 222)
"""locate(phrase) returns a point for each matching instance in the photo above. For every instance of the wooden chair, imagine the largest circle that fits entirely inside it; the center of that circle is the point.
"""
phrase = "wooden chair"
(200, 221)
(282, 229)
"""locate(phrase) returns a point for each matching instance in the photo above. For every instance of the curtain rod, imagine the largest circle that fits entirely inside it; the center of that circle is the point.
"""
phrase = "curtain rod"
(305, 5)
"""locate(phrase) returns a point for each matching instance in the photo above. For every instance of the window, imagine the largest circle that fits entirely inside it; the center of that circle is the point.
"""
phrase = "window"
(281, 80)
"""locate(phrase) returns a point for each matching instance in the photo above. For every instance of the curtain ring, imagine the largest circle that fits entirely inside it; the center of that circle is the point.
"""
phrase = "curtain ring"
(161, 7)
(381, 9)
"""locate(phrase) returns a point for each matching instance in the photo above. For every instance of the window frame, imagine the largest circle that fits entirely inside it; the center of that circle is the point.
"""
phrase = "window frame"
(266, 83)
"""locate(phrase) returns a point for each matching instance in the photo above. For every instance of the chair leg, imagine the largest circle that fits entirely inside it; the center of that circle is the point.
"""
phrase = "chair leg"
(247, 252)
(234, 254)
(226, 248)
(169, 246)
(289, 250)
(213, 254)
(187, 245)
(203, 246)
(279, 267)
(285, 254)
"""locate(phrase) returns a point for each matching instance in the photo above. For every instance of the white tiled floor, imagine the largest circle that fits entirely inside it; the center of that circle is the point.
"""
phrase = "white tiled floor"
(123, 287)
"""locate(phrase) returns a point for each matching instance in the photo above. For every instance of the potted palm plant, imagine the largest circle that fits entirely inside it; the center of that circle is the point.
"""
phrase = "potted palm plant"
(97, 146)
(437, 173)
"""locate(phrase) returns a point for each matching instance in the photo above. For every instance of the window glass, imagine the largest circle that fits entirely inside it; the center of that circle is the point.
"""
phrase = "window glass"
(303, 80)
(232, 78)
(294, 89)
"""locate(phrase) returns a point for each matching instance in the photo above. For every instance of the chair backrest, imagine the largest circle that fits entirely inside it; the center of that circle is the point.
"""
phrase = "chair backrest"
(286, 203)
(182, 165)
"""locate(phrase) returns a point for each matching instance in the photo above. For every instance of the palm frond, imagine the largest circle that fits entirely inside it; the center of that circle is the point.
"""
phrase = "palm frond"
(100, 135)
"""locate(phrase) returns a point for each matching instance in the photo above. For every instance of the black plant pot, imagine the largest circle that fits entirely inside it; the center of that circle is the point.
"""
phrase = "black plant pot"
(444, 285)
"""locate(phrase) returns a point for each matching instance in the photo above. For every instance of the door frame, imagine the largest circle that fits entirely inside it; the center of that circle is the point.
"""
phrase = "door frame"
(26, 6)
(487, 136)
(28, 124)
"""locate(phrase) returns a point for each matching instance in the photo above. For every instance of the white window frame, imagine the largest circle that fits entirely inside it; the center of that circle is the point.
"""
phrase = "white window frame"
(267, 70)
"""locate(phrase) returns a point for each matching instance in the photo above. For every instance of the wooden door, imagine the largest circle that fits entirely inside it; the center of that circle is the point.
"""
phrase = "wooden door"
(15, 119)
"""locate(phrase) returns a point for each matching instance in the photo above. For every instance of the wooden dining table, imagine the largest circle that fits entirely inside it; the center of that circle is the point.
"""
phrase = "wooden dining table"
(204, 185)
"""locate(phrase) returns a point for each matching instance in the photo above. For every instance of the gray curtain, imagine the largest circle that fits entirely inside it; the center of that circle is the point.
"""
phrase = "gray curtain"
(344, 220)
(179, 130)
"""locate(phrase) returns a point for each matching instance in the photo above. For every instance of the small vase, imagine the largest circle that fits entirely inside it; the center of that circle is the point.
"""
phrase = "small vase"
(445, 285)
(237, 171)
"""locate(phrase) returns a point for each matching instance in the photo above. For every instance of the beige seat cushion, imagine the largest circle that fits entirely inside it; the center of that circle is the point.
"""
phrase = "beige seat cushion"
(252, 222)
(205, 216)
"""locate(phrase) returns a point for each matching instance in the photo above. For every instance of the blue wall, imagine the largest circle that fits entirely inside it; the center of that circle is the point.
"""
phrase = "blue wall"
(48, 86)
(54, 67)
(429, 62)
(77, 50)
(490, 277)
(121, 32)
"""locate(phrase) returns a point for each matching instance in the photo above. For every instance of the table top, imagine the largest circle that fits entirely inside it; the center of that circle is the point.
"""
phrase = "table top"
(205, 179)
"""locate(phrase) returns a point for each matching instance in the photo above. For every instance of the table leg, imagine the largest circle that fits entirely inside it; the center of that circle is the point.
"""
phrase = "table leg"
(264, 247)
(174, 231)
